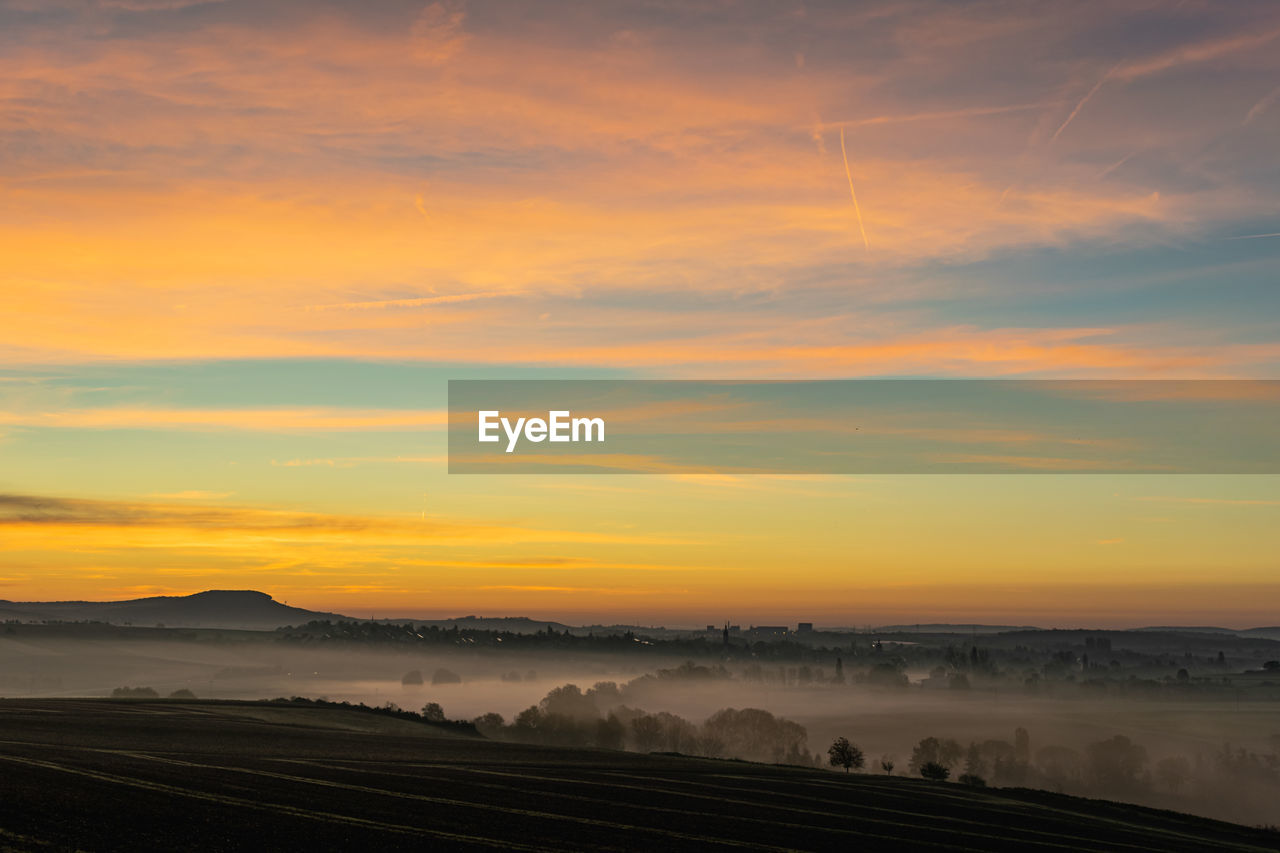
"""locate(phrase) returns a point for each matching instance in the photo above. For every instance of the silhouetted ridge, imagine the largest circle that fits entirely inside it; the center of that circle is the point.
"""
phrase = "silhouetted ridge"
(215, 608)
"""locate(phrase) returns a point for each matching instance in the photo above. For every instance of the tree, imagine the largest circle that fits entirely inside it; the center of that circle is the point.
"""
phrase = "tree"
(570, 702)
(934, 771)
(445, 676)
(887, 765)
(134, 693)
(678, 734)
(1174, 772)
(1022, 744)
(1060, 765)
(710, 746)
(528, 719)
(973, 780)
(605, 694)
(887, 675)
(757, 735)
(610, 733)
(1115, 764)
(646, 733)
(489, 724)
(932, 750)
(845, 754)
(973, 763)
(433, 713)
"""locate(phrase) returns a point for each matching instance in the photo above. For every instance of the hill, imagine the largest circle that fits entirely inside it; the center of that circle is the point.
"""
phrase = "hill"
(514, 624)
(1189, 629)
(949, 628)
(1201, 643)
(216, 608)
(143, 776)
(526, 625)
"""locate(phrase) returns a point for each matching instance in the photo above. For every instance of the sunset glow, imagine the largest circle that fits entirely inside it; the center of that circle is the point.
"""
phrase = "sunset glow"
(245, 246)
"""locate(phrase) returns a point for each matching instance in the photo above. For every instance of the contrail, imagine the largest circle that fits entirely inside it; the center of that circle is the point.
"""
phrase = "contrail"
(1116, 165)
(969, 112)
(1252, 236)
(853, 195)
(1261, 107)
(1080, 106)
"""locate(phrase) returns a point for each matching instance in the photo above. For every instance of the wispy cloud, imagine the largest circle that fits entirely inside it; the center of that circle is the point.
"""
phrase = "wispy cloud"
(191, 495)
(1196, 52)
(415, 302)
(42, 515)
(547, 168)
(1247, 502)
(353, 461)
(282, 419)
(568, 185)
(594, 590)
(1046, 463)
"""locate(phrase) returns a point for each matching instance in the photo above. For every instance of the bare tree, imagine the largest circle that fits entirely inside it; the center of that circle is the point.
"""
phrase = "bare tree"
(646, 733)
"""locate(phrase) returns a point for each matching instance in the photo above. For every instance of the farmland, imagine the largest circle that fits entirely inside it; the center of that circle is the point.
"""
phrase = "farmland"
(102, 775)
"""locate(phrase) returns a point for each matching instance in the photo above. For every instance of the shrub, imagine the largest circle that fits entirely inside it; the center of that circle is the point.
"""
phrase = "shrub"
(134, 693)
(934, 771)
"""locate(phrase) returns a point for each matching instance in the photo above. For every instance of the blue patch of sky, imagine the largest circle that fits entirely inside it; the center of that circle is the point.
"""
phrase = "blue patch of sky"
(277, 383)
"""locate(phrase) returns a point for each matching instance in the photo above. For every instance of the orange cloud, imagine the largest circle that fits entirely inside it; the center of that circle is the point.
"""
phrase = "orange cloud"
(34, 521)
(217, 192)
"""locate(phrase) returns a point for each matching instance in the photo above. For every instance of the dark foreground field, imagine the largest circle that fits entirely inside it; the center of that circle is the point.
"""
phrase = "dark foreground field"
(99, 775)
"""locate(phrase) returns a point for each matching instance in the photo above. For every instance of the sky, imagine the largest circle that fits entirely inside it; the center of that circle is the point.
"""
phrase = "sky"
(246, 245)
